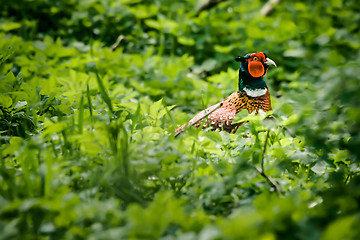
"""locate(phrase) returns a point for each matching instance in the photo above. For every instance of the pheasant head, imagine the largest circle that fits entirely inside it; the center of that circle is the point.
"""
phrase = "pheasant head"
(252, 68)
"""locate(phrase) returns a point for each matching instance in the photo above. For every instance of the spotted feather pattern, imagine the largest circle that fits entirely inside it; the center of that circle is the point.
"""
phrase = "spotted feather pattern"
(221, 115)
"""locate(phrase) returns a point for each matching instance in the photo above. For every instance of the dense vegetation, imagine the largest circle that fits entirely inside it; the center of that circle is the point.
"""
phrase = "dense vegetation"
(87, 146)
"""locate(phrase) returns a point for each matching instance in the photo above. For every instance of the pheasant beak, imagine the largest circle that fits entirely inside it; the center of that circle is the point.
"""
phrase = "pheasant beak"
(270, 62)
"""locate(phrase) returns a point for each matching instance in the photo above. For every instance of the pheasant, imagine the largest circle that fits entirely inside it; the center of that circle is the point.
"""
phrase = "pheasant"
(253, 95)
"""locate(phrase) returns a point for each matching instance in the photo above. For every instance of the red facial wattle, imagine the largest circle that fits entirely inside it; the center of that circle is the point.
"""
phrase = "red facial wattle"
(256, 68)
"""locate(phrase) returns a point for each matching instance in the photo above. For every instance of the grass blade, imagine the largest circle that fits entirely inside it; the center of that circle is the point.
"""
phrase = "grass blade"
(89, 98)
(103, 93)
(81, 115)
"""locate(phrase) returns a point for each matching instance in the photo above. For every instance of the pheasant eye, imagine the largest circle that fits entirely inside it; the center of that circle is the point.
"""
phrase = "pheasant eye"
(255, 58)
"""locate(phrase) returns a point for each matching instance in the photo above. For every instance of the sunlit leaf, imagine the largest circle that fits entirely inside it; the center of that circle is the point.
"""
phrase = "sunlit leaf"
(5, 101)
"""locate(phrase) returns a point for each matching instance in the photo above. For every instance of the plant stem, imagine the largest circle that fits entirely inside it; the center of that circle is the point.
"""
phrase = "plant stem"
(264, 150)
(261, 170)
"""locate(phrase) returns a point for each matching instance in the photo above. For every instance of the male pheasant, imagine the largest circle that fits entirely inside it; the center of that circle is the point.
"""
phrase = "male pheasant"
(253, 95)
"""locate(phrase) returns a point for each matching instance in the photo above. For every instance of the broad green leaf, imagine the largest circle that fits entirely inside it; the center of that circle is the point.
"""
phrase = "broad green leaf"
(40, 45)
(7, 83)
(155, 108)
(51, 128)
(223, 49)
(186, 41)
(153, 24)
(5, 101)
(9, 26)
(296, 53)
(13, 146)
(143, 11)
(319, 167)
(164, 111)
(343, 228)
(291, 120)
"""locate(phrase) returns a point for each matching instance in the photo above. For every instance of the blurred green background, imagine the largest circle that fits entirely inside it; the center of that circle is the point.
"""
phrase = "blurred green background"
(92, 90)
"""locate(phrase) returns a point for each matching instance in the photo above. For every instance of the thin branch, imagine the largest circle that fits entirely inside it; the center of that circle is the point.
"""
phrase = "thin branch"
(264, 150)
(350, 175)
(117, 43)
(347, 178)
(262, 169)
(208, 5)
(269, 180)
(269, 7)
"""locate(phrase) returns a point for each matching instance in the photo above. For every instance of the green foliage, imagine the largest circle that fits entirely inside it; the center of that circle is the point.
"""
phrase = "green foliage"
(86, 133)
